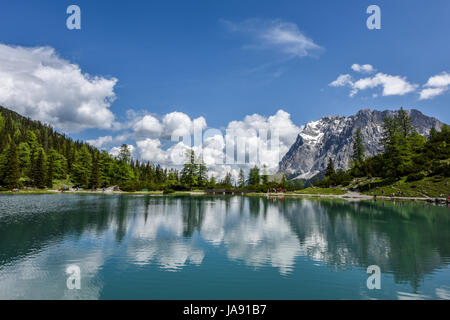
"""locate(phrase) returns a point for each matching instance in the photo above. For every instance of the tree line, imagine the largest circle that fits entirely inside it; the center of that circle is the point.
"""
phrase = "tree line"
(34, 155)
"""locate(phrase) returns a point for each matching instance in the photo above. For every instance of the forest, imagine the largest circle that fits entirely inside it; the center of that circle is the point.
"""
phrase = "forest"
(33, 155)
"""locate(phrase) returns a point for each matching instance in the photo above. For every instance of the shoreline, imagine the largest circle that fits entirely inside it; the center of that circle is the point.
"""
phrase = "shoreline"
(349, 196)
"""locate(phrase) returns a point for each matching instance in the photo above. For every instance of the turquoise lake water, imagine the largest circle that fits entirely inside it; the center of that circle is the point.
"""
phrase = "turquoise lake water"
(170, 247)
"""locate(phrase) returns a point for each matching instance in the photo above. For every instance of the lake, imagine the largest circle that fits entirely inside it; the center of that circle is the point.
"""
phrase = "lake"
(199, 247)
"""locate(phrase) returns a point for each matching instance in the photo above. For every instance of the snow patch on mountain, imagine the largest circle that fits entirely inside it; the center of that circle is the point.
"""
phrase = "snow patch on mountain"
(332, 137)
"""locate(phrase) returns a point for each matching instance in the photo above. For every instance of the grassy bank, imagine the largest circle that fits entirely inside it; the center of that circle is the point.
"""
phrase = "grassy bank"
(322, 191)
(430, 187)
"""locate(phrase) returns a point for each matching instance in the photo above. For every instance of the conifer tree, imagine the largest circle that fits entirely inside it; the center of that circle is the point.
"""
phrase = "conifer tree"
(330, 171)
(265, 176)
(38, 171)
(81, 167)
(189, 172)
(254, 177)
(227, 181)
(50, 167)
(404, 123)
(358, 148)
(95, 174)
(212, 182)
(202, 171)
(12, 169)
(241, 179)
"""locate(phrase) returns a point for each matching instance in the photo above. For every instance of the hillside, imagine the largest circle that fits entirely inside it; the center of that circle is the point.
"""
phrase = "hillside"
(34, 155)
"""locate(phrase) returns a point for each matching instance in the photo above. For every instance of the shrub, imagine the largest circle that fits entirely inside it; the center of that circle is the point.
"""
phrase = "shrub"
(168, 191)
(415, 176)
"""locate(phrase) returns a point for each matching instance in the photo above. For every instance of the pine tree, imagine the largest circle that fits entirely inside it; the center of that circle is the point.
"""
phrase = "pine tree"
(404, 122)
(227, 181)
(202, 171)
(39, 169)
(81, 167)
(212, 182)
(49, 175)
(12, 169)
(330, 171)
(189, 173)
(124, 154)
(254, 178)
(265, 176)
(94, 182)
(241, 179)
(24, 152)
(358, 148)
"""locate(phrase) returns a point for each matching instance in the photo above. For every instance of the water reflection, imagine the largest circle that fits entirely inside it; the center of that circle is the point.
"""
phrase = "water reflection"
(409, 241)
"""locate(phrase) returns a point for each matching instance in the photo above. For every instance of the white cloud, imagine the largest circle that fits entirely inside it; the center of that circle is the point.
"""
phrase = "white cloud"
(365, 68)
(213, 147)
(148, 126)
(342, 80)
(36, 82)
(440, 80)
(116, 150)
(435, 86)
(392, 85)
(175, 124)
(277, 35)
(100, 142)
(429, 93)
(150, 150)
(178, 124)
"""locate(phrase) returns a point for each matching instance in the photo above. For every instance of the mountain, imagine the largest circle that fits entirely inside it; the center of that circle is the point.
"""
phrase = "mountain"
(332, 137)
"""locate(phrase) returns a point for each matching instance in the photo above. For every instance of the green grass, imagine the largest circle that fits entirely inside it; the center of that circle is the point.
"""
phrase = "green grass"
(29, 192)
(320, 191)
(433, 187)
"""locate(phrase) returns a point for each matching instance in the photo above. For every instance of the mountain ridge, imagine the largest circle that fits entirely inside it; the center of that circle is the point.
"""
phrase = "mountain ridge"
(332, 137)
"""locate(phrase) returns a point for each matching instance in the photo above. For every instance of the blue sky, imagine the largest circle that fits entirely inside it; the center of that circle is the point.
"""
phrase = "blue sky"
(213, 59)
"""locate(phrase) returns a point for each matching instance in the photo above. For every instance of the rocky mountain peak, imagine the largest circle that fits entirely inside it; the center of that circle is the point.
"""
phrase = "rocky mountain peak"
(332, 136)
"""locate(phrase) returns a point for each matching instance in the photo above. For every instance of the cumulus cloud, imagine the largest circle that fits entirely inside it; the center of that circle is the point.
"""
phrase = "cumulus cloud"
(435, 86)
(100, 141)
(276, 35)
(342, 80)
(175, 124)
(255, 130)
(365, 68)
(392, 85)
(36, 82)
(178, 124)
(148, 126)
(242, 144)
(116, 150)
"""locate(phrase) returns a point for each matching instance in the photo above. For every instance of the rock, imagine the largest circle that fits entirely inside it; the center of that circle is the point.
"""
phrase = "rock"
(332, 136)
